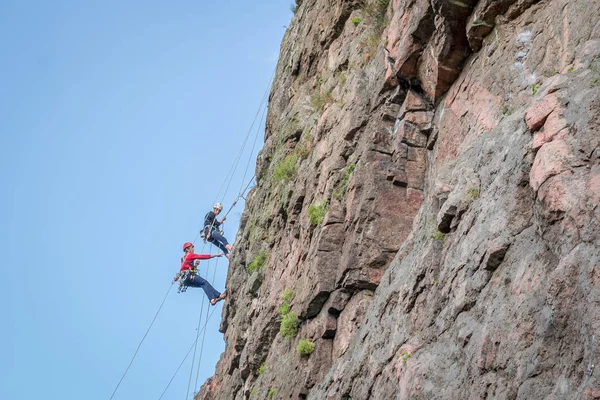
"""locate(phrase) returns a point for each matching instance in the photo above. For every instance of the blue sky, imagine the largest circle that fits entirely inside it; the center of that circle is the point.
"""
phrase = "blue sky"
(119, 121)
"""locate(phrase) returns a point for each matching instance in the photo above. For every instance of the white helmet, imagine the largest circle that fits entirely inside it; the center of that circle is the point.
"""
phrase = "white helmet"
(218, 206)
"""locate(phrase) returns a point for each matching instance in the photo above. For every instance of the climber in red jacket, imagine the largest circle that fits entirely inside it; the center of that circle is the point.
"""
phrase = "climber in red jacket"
(189, 261)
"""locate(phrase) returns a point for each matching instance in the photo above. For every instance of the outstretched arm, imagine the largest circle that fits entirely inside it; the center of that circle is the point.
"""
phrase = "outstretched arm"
(194, 256)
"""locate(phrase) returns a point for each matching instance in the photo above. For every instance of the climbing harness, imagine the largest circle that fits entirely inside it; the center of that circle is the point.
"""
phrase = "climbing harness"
(203, 234)
(182, 277)
(211, 229)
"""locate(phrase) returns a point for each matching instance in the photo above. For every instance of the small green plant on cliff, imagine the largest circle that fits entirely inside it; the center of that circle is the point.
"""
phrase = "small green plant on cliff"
(437, 235)
(473, 193)
(406, 357)
(356, 20)
(287, 295)
(284, 308)
(289, 325)
(305, 347)
(286, 168)
(261, 369)
(316, 213)
(535, 88)
(289, 320)
(340, 190)
(271, 393)
(258, 261)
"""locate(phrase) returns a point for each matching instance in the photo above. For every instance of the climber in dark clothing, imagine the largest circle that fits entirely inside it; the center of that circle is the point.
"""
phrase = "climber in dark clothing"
(212, 231)
(187, 272)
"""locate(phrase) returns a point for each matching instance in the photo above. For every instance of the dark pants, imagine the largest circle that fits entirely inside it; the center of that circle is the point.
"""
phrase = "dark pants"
(199, 282)
(218, 240)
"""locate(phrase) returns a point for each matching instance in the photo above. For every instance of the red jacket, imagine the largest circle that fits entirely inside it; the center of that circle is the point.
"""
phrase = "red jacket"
(188, 260)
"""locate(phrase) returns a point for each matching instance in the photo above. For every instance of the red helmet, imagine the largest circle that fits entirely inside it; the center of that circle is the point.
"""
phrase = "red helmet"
(186, 245)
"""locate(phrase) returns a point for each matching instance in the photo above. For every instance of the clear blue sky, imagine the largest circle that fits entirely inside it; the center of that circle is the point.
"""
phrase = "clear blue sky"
(119, 121)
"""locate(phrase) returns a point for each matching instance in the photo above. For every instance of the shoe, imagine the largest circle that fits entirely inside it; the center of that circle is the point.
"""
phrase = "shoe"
(218, 299)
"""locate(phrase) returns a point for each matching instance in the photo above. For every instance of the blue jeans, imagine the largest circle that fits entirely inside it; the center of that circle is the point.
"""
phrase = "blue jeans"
(199, 282)
(218, 240)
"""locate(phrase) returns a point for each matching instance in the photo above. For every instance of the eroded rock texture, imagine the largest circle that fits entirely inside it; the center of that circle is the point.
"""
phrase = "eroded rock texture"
(453, 147)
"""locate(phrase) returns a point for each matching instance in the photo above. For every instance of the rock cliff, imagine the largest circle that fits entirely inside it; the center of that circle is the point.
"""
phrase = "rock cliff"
(426, 208)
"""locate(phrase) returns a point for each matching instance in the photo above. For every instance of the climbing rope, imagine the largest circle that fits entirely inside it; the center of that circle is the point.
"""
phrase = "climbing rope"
(142, 341)
(186, 356)
(204, 334)
(239, 196)
(199, 322)
(242, 191)
(262, 118)
(195, 346)
(231, 173)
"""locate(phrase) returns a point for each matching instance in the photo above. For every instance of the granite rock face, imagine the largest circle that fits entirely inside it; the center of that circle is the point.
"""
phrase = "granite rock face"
(427, 198)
